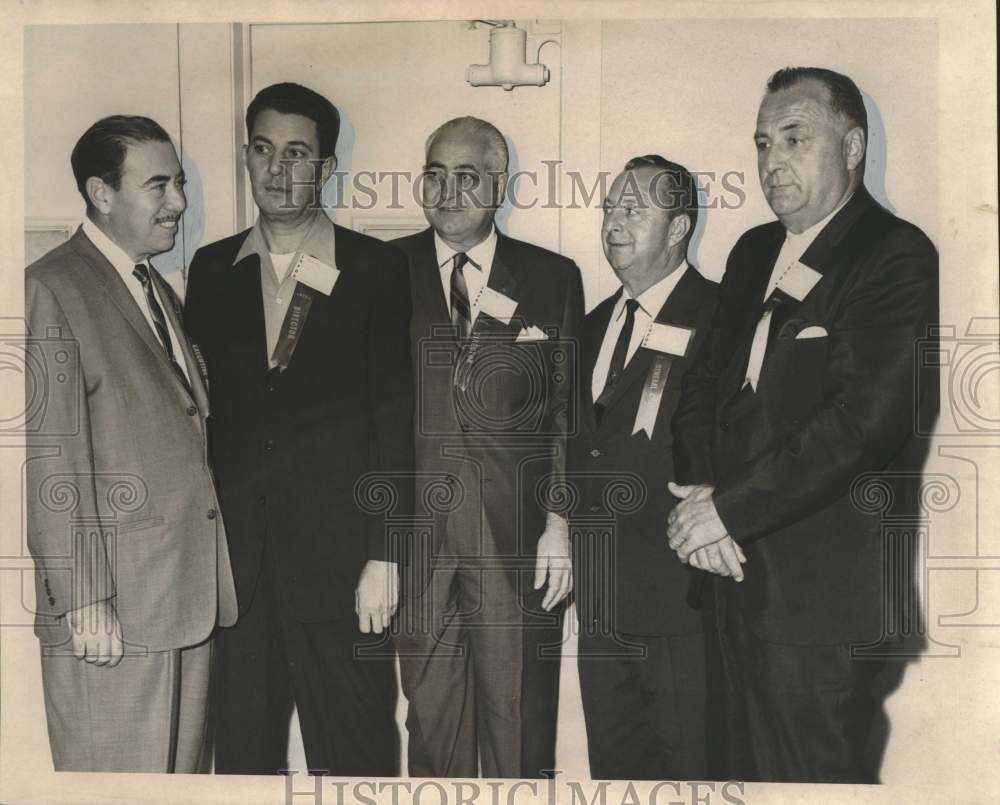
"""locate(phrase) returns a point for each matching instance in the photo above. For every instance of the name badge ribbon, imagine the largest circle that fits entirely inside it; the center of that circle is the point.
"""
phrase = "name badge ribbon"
(312, 276)
(669, 342)
(495, 305)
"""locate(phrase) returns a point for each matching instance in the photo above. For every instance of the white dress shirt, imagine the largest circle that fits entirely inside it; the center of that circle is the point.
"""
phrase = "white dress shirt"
(792, 249)
(125, 265)
(650, 303)
(476, 271)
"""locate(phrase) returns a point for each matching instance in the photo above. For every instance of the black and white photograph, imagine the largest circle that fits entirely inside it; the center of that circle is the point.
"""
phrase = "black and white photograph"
(585, 403)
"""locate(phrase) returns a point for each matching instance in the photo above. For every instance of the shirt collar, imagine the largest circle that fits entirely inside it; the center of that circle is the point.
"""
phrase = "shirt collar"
(319, 242)
(480, 255)
(114, 253)
(655, 296)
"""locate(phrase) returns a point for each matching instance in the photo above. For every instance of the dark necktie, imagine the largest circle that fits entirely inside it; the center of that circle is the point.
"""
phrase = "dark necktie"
(617, 359)
(141, 273)
(461, 313)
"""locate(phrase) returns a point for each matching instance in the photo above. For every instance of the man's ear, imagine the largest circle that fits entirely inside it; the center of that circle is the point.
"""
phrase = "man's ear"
(678, 228)
(245, 150)
(499, 188)
(326, 169)
(854, 147)
(99, 193)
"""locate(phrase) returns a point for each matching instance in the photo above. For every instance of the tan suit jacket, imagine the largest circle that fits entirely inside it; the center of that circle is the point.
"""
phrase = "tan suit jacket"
(120, 499)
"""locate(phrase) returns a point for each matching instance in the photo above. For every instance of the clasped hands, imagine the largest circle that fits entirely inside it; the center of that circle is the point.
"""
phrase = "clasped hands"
(696, 532)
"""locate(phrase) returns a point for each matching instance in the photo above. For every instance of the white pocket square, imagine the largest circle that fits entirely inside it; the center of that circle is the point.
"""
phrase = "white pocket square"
(531, 333)
(812, 332)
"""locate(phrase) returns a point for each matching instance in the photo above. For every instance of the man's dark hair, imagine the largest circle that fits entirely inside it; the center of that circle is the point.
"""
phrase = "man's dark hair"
(675, 187)
(845, 97)
(294, 99)
(101, 150)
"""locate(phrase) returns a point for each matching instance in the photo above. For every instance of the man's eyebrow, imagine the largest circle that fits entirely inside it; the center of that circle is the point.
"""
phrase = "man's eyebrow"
(797, 124)
(160, 178)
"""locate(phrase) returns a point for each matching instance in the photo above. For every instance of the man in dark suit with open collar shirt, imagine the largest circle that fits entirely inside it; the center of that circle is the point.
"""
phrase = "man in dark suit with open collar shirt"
(494, 328)
(806, 390)
(641, 645)
(304, 328)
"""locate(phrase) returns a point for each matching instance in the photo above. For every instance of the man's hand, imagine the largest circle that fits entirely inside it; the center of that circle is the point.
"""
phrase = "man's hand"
(694, 522)
(96, 634)
(553, 560)
(724, 558)
(377, 596)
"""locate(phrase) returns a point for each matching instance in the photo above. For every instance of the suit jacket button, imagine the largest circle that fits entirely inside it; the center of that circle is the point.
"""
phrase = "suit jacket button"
(269, 445)
(595, 453)
(192, 410)
(211, 514)
(723, 425)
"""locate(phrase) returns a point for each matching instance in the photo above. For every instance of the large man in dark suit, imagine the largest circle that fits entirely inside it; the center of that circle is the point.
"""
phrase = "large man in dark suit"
(641, 645)
(805, 389)
(122, 516)
(493, 333)
(303, 325)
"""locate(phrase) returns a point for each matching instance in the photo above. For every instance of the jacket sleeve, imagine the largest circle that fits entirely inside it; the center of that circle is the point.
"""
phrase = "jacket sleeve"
(693, 423)
(64, 531)
(390, 389)
(561, 413)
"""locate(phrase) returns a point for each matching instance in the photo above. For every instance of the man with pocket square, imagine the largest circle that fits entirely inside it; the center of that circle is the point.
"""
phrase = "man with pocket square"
(805, 391)
(493, 333)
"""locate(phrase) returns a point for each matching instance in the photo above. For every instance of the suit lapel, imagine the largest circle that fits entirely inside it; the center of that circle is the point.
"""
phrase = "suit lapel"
(183, 347)
(505, 278)
(246, 306)
(679, 310)
(763, 265)
(114, 286)
(428, 279)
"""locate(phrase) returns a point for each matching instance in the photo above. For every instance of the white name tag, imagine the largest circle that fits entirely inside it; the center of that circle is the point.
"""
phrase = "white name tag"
(668, 338)
(315, 273)
(799, 280)
(495, 304)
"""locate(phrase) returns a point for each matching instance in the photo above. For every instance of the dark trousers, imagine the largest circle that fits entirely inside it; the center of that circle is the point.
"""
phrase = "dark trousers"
(644, 706)
(346, 703)
(793, 713)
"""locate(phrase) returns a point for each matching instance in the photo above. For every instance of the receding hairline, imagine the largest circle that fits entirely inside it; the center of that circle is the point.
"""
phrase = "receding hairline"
(495, 152)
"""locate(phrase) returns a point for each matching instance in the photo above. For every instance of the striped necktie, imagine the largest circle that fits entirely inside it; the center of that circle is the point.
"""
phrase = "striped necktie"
(141, 273)
(461, 312)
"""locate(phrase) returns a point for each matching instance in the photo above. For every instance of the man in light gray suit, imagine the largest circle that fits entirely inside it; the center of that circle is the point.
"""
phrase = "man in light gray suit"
(132, 567)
